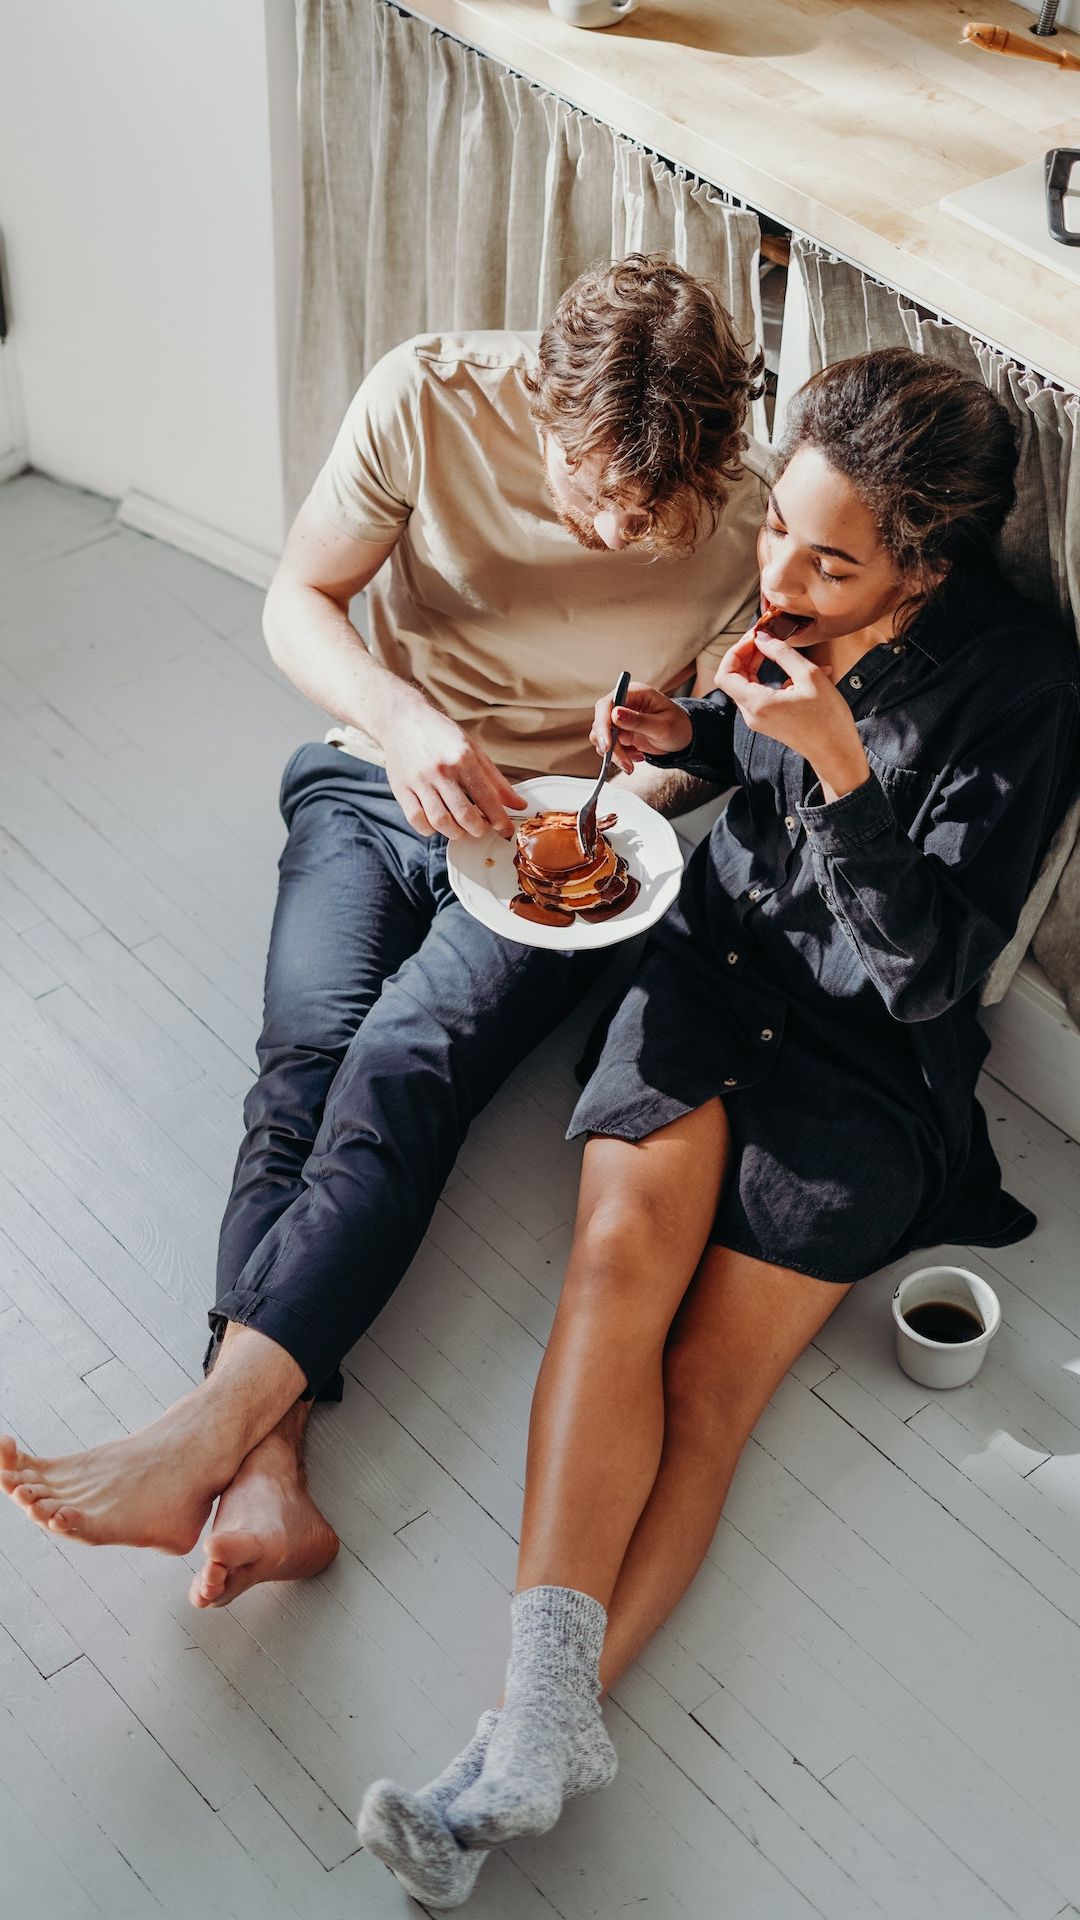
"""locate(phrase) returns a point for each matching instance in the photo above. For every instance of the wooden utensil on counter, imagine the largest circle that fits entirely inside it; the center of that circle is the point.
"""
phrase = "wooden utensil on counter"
(999, 40)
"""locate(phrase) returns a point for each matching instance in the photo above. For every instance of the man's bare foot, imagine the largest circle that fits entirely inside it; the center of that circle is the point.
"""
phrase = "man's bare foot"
(152, 1489)
(267, 1526)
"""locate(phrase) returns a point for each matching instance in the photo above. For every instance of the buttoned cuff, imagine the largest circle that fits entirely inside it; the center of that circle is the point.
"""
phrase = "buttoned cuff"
(844, 826)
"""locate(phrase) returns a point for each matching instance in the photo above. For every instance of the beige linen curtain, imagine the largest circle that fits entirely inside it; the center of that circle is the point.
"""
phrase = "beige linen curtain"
(441, 191)
(834, 311)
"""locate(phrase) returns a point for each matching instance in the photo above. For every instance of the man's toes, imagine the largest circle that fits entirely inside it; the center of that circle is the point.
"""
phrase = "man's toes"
(231, 1560)
(43, 1508)
(10, 1456)
(65, 1520)
(28, 1492)
(33, 1512)
(208, 1586)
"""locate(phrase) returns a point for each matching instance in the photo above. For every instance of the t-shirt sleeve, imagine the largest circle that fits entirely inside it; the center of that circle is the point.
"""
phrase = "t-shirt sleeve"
(366, 485)
(738, 591)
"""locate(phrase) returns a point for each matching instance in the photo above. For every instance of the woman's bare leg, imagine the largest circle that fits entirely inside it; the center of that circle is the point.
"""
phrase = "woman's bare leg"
(741, 1326)
(597, 1425)
(595, 1441)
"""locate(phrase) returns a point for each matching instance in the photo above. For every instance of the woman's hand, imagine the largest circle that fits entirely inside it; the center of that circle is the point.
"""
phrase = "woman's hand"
(647, 722)
(807, 714)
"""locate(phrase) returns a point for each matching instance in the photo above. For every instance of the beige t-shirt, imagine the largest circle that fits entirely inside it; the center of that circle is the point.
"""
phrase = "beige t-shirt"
(487, 602)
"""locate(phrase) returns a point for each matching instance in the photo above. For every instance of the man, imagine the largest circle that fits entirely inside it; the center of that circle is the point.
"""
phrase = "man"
(530, 516)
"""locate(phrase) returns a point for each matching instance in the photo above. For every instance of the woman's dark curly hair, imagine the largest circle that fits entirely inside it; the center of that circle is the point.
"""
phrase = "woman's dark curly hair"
(928, 450)
(640, 366)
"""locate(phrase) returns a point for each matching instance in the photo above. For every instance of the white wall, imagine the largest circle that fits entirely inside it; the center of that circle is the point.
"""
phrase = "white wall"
(151, 292)
(1068, 14)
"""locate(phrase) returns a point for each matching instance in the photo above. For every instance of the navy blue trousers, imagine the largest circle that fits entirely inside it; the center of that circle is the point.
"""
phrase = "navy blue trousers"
(391, 1017)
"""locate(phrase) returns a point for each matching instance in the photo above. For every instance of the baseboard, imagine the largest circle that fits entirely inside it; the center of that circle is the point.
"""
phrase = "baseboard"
(138, 511)
(1035, 1048)
(14, 461)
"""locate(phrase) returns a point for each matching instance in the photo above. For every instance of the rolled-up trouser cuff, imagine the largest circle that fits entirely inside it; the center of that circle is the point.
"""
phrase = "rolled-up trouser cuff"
(282, 1324)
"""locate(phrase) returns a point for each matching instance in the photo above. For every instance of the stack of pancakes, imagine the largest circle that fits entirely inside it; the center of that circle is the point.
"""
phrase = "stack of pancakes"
(557, 877)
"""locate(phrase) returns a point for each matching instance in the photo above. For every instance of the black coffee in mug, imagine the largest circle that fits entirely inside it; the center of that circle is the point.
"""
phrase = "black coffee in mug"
(943, 1320)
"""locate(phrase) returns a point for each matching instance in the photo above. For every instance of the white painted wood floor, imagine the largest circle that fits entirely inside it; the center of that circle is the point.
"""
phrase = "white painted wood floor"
(868, 1704)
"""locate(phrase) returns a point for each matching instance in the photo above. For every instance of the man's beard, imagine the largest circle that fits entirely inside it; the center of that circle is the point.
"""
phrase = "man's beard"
(585, 533)
(583, 530)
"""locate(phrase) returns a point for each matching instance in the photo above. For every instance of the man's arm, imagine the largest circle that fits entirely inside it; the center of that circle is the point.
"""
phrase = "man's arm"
(443, 783)
(669, 792)
(310, 636)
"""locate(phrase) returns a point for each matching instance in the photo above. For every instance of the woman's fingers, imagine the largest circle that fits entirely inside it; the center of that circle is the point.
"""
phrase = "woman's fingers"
(629, 720)
(742, 661)
(795, 664)
(601, 726)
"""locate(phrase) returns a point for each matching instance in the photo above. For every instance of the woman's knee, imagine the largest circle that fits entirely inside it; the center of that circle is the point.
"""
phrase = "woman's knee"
(624, 1227)
(622, 1260)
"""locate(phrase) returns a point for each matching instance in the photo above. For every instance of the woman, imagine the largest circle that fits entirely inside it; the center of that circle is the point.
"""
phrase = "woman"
(785, 1099)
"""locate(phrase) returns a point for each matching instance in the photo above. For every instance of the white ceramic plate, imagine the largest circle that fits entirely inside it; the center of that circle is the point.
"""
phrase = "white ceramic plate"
(482, 871)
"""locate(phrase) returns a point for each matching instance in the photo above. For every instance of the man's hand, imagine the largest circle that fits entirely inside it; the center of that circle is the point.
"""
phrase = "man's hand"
(443, 783)
(647, 722)
(807, 714)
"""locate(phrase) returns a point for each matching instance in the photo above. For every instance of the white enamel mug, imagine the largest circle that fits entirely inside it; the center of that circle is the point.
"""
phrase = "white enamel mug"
(592, 13)
(937, 1363)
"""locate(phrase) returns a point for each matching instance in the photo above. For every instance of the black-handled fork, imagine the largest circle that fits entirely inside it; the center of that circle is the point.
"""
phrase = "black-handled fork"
(586, 820)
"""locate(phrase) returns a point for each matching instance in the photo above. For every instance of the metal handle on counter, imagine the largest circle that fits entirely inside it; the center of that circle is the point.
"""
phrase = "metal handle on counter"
(1059, 165)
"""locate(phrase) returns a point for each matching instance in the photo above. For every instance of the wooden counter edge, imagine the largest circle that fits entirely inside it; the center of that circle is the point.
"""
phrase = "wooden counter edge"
(993, 320)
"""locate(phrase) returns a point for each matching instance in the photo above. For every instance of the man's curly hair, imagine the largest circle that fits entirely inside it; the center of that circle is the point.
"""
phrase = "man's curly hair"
(640, 366)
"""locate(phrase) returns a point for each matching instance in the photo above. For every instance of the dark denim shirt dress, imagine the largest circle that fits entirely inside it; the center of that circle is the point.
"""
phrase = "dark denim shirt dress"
(820, 969)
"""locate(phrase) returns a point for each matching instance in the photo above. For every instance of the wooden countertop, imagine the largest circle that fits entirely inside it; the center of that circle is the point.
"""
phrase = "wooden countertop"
(847, 123)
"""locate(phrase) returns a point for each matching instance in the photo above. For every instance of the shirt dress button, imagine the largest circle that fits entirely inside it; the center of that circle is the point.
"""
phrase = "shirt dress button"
(856, 680)
(754, 893)
(898, 649)
(731, 959)
(789, 821)
(731, 1083)
(766, 1033)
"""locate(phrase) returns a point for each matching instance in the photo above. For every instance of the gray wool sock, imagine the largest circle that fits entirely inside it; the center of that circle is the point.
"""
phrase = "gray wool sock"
(549, 1743)
(408, 1831)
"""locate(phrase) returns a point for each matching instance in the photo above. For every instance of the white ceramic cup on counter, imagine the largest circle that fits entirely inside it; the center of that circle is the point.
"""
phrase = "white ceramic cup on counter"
(939, 1363)
(592, 13)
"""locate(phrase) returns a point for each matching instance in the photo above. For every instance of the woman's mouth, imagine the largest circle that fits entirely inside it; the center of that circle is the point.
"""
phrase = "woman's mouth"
(780, 624)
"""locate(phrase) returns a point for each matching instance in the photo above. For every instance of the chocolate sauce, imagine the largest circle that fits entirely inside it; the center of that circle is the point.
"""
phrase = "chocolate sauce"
(554, 849)
(626, 898)
(527, 909)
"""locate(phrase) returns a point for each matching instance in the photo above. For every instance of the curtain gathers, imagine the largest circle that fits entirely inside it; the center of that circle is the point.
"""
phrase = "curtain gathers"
(440, 191)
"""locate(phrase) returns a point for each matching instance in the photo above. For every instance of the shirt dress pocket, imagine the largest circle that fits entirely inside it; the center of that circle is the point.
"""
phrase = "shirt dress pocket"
(910, 791)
